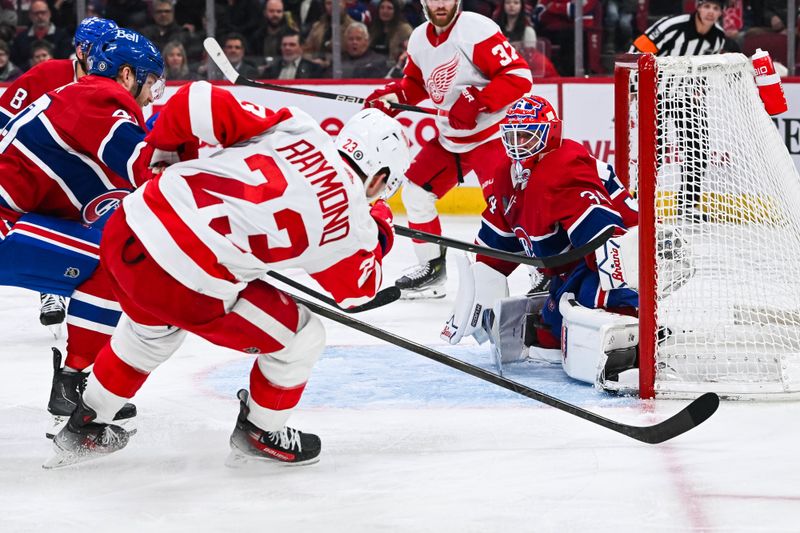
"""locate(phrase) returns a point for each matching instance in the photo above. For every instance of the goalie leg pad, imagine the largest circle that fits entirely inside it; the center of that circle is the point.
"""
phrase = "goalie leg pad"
(479, 288)
(590, 337)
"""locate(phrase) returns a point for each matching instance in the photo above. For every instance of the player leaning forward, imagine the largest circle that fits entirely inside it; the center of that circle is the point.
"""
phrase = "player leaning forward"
(464, 64)
(557, 198)
(280, 194)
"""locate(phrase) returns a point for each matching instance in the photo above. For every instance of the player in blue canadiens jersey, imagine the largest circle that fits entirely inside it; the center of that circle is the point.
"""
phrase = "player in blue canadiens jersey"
(65, 162)
(42, 78)
(557, 197)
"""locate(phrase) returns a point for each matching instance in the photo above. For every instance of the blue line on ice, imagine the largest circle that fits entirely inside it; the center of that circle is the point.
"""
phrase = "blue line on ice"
(387, 376)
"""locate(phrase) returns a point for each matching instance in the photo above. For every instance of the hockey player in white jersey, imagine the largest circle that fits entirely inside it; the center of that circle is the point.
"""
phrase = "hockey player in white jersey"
(464, 64)
(186, 252)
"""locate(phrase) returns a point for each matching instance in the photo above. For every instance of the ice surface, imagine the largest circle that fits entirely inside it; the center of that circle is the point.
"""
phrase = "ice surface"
(408, 445)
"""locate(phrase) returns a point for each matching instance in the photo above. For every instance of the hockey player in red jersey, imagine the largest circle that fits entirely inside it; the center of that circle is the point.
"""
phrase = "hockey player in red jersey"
(44, 77)
(464, 64)
(50, 75)
(65, 161)
(557, 197)
(279, 194)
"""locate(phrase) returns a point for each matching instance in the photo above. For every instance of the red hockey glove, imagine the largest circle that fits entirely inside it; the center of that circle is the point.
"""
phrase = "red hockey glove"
(380, 98)
(382, 214)
(464, 113)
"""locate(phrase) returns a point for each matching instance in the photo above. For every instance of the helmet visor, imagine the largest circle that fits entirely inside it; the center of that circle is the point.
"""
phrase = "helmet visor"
(157, 89)
(524, 140)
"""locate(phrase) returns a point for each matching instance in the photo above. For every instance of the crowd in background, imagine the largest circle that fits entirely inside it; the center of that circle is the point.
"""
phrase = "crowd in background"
(289, 39)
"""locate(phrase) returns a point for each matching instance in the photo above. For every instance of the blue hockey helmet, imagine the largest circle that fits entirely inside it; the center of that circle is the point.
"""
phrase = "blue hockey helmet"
(89, 30)
(119, 47)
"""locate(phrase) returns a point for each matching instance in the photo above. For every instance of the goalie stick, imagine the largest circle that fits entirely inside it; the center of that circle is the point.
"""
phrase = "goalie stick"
(218, 57)
(694, 414)
(550, 261)
(383, 297)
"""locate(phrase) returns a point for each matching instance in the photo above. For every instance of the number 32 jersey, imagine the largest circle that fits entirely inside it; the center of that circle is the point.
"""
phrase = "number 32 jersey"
(278, 195)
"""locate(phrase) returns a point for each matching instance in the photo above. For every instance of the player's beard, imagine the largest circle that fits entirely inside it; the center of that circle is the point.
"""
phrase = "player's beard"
(446, 22)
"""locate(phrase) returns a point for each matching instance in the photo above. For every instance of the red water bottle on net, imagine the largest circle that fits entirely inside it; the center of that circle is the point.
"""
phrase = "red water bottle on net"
(769, 83)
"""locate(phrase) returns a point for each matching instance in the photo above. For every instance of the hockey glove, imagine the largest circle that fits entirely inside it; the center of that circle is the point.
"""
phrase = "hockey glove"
(464, 113)
(382, 214)
(381, 98)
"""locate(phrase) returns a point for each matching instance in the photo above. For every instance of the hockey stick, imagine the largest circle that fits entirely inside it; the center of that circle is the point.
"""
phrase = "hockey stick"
(687, 418)
(218, 57)
(384, 297)
(551, 261)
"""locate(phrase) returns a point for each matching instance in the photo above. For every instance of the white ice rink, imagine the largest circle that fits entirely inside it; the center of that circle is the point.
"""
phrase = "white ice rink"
(408, 445)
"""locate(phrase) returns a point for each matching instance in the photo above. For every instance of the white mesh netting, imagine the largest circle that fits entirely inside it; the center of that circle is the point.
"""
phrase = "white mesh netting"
(728, 196)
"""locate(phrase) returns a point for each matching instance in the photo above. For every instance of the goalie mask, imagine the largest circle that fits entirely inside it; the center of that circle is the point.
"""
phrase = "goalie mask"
(531, 126)
(375, 144)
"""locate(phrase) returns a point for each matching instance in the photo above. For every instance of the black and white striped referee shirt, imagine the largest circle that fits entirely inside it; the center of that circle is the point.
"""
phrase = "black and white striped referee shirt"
(677, 36)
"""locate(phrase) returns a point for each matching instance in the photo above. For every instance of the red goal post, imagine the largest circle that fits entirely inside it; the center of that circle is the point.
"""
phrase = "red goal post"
(719, 248)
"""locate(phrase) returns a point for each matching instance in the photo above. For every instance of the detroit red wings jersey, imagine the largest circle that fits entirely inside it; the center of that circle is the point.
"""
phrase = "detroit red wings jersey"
(278, 196)
(71, 150)
(472, 52)
(566, 199)
(42, 78)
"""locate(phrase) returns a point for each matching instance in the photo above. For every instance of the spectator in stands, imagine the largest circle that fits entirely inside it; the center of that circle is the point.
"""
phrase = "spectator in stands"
(176, 65)
(240, 16)
(618, 24)
(318, 44)
(359, 61)
(514, 25)
(275, 24)
(40, 29)
(396, 71)
(8, 12)
(555, 20)
(164, 29)
(235, 50)
(41, 51)
(389, 30)
(291, 65)
(8, 70)
(304, 13)
(487, 8)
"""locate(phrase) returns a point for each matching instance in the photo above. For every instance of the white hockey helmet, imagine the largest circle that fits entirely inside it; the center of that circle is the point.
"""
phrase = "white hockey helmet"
(374, 142)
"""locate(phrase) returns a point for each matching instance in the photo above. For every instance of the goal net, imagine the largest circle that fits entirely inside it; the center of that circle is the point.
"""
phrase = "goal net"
(719, 201)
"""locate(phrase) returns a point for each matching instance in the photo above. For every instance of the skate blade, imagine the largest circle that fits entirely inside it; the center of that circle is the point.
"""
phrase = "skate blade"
(237, 459)
(58, 423)
(427, 293)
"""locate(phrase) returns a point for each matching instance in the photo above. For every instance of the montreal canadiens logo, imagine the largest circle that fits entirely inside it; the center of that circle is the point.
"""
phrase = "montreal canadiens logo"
(441, 79)
(524, 240)
(98, 206)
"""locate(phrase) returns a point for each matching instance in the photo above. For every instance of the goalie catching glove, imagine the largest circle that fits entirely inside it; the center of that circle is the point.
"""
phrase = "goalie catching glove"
(479, 287)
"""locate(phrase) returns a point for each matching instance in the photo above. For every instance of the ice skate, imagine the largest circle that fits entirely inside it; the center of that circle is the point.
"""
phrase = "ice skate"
(424, 281)
(65, 393)
(285, 447)
(82, 439)
(52, 312)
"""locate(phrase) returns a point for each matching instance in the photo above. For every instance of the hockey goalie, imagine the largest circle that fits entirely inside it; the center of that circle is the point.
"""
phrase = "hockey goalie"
(557, 197)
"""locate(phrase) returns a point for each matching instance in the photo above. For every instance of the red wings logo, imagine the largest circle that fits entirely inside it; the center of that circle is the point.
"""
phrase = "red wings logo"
(441, 79)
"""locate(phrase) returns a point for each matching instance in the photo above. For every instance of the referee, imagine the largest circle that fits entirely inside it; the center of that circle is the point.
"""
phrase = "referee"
(686, 35)
(694, 34)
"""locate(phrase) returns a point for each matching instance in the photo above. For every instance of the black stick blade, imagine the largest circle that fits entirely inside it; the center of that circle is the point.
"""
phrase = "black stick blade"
(688, 418)
(384, 297)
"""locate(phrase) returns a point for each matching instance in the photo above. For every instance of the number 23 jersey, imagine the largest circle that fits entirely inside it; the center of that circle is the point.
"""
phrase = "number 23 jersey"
(279, 198)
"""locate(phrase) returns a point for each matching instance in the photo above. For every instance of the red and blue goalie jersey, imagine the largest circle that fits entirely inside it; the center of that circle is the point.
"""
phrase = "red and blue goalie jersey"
(562, 201)
(69, 148)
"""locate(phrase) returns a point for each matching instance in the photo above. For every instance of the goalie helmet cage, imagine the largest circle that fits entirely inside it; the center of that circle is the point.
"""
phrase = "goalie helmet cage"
(719, 208)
